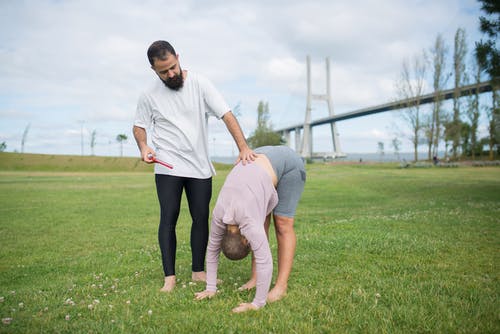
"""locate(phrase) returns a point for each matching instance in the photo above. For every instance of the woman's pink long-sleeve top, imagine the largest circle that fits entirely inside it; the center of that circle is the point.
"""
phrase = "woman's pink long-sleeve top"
(246, 198)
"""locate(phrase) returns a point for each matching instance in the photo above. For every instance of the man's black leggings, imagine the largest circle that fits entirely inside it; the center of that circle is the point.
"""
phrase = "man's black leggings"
(198, 193)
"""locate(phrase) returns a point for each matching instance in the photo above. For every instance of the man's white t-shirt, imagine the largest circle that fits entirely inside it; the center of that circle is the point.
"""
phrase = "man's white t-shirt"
(178, 124)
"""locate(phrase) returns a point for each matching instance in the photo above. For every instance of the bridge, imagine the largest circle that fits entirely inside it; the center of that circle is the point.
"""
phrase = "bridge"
(304, 144)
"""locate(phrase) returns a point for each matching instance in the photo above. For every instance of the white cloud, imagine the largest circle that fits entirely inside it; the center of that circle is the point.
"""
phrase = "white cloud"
(377, 134)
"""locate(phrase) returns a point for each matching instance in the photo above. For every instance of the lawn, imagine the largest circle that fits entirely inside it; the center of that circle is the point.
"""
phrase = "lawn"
(380, 250)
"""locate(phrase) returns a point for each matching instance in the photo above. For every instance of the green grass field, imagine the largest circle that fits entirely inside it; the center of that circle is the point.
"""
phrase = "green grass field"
(380, 250)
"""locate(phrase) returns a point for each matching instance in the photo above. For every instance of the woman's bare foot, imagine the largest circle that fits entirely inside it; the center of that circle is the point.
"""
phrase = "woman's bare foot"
(169, 284)
(276, 294)
(248, 285)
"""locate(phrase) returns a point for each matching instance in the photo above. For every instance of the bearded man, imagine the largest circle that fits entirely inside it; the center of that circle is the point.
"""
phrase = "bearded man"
(173, 112)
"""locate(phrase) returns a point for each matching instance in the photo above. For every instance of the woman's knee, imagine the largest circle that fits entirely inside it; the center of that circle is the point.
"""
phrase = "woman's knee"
(283, 224)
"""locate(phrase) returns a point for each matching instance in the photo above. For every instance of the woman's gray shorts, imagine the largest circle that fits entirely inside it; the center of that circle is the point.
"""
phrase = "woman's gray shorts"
(289, 168)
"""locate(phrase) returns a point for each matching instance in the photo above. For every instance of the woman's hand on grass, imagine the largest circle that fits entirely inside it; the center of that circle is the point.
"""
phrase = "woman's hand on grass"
(204, 294)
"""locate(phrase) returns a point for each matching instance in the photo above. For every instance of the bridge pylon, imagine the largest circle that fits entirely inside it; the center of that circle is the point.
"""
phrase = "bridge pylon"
(306, 146)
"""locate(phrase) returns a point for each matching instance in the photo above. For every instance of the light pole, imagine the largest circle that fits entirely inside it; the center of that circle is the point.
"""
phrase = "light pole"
(81, 134)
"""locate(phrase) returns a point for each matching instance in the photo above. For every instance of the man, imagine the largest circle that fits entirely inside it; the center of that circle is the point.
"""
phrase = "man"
(174, 109)
(273, 183)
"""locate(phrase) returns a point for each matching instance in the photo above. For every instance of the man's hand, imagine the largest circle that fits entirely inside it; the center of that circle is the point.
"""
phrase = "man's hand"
(244, 307)
(204, 294)
(246, 155)
(147, 155)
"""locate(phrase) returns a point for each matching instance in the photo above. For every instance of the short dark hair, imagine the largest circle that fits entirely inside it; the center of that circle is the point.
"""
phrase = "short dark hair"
(234, 245)
(159, 50)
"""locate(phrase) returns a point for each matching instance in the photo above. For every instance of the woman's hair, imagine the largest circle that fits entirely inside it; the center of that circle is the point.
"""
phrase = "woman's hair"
(234, 245)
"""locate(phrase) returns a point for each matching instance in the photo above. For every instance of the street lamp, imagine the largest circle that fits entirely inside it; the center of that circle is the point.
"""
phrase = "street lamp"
(81, 134)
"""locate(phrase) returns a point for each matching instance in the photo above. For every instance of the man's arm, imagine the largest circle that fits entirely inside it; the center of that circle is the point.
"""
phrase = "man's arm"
(246, 154)
(142, 142)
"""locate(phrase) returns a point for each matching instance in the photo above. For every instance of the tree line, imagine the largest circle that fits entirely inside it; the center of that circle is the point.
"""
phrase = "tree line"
(456, 129)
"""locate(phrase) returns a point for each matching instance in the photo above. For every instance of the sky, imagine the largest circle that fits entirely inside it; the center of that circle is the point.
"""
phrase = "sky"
(69, 68)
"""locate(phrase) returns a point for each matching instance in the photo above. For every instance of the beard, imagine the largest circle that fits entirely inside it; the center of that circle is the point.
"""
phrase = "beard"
(176, 82)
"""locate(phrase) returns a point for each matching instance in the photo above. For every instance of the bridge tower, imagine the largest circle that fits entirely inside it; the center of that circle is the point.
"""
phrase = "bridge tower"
(306, 149)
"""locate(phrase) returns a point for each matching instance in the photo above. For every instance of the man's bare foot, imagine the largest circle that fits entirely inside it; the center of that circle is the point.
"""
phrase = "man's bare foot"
(248, 285)
(169, 284)
(276, 294)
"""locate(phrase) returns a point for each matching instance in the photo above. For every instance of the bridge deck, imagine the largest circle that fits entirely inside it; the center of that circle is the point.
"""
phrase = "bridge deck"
(428, 98)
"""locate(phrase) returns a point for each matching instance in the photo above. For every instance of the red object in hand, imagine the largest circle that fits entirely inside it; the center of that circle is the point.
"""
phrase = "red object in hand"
(160, 162)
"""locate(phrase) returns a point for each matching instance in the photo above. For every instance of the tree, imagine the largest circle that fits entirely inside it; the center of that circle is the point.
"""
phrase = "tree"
(3, 147)
(488, 56)
(440, 78)
(487, 51)
(121, 138)
(411, 86)
(396, 144)
(473, 109)
(264, 134)
(428, 132)
(380, 150)
(92, 141)
(448, 129)
(493, 131)
(465, 134)
(459, 54)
